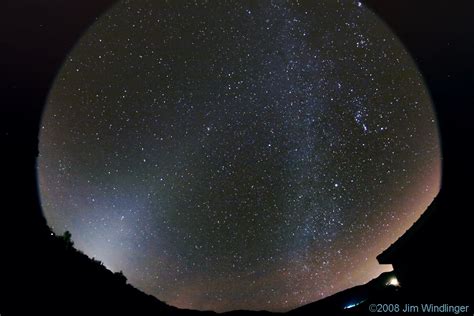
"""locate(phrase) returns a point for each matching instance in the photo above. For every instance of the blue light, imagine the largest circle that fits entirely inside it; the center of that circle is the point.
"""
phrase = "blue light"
(352, 305)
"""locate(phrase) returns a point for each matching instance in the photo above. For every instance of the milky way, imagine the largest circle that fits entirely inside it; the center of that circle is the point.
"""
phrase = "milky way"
(238, 155)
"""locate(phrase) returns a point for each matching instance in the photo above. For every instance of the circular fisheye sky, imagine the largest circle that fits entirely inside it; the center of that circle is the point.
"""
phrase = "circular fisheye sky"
(238, 154)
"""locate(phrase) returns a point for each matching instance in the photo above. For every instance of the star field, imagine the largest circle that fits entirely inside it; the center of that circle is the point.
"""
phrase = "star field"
(238, 154)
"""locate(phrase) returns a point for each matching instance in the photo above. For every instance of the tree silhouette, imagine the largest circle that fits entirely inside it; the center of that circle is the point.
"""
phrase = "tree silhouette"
(66, 238)
(120, 277)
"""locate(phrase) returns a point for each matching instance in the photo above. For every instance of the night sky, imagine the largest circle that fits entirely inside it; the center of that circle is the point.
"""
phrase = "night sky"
(238, 155)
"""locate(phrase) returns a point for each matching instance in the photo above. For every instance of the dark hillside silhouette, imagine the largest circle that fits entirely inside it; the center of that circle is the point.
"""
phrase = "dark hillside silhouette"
(62, 280)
